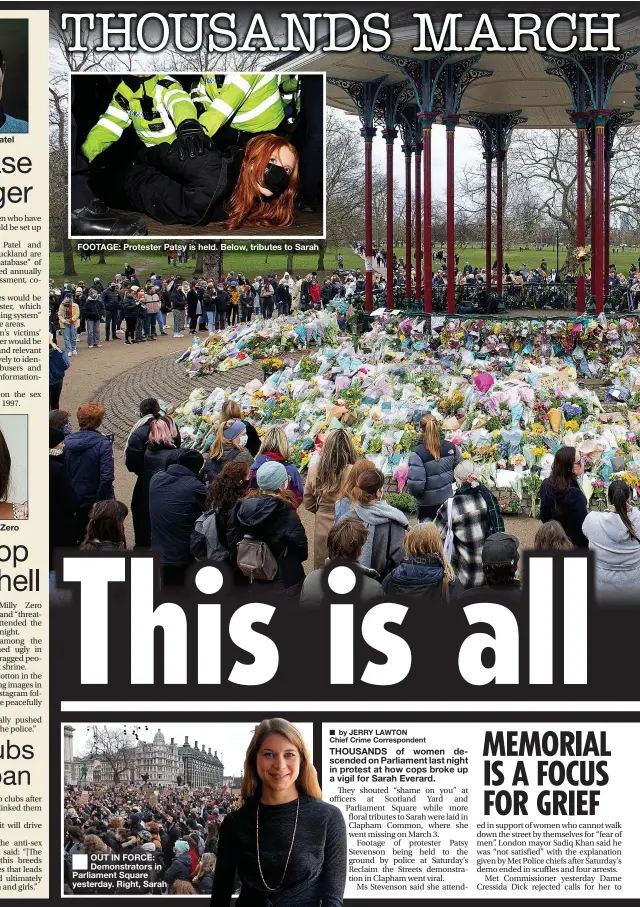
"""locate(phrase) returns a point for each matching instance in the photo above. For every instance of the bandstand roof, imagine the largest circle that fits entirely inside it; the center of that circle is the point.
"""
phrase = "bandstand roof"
(519, 80)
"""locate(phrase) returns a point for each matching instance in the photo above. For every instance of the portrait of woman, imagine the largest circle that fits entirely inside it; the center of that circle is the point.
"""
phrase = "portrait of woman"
(286, 844)
(266, 189)
(10, 510)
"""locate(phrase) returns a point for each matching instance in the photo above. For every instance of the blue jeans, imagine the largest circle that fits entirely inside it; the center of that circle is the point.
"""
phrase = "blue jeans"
(211, 321)
(162, 320)
(93, 333)
(112, 320)
(70, 335)
(150, 324)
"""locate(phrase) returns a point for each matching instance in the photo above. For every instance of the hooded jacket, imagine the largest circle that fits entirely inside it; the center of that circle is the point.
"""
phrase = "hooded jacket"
(295, 482)
(384, 548)
(176, 500)
(88, 456)
(430, 480)
(418, 577)
(275, 522)
(617, 553)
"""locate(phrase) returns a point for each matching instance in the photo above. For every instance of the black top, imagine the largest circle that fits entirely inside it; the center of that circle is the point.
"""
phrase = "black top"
(569, 509)
(317, 870)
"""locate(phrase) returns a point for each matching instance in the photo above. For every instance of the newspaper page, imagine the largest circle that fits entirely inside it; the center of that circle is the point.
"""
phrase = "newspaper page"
(343, 532)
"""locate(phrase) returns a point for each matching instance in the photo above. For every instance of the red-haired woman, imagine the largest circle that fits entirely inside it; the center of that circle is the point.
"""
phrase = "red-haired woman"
(265, 192)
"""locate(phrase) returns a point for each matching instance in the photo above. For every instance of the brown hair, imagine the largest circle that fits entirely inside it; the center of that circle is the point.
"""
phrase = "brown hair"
(351, 477)
(337, 453)
(182, 886)
(90, 416)
(216, 452)
(230, 410)
(307, 780)
(247, 207)
(619, 495)
(346, 539)
(106, 524)
(228, 487)
(551, 537)
(58, 418)
(367, 487)
(431, 435)
(424, 539)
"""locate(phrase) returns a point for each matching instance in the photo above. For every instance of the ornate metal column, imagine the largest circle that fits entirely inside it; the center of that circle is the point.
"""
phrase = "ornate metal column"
(482, 123)
(365, 96)
(408, 128)
(581, 235)
(590, 78)
(425, 76)
(391, 99)
(418, 221)
(617, 119)
(454, 79)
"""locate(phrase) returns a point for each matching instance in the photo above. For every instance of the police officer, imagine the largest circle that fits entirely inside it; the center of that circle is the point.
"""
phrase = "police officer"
(235, 107)
(176, 178)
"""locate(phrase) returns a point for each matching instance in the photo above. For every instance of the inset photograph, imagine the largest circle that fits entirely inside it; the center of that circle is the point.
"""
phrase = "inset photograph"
(198, 154)
(215, 808)
(14, 473)
(14, 76)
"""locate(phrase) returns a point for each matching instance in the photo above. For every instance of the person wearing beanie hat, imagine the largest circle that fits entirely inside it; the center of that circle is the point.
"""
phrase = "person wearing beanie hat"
(176, 500)
(269, 515)
(472, 514)
(229, 444)
(64, 528)
(384, 547)
(180, 868)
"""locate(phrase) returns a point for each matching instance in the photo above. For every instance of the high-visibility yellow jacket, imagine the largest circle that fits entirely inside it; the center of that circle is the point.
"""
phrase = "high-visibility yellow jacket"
(249, 102)
(156, 109)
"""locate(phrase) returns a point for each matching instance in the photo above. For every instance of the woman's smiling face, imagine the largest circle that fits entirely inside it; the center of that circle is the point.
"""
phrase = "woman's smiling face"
(277, 764)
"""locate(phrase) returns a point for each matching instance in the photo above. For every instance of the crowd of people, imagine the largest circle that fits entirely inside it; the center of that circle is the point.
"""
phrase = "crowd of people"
(180, 827)
(240, 504)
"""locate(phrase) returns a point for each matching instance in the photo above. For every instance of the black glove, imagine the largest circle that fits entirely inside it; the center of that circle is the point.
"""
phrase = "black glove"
(191, 139)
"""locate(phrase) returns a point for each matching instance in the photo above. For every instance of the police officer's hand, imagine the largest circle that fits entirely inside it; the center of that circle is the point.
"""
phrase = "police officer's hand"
(192, 140)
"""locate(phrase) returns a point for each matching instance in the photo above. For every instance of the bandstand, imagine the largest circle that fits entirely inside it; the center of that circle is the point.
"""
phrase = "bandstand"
(401, 94)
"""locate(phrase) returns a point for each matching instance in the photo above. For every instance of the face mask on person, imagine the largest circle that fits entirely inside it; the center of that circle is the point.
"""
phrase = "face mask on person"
(241, 441)
(275, 179)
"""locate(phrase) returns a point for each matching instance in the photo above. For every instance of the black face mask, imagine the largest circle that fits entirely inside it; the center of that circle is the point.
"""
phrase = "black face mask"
(276, 179)
(132, 82)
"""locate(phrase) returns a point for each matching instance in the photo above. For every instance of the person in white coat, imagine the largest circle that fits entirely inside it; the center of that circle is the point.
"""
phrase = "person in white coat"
(614, 537)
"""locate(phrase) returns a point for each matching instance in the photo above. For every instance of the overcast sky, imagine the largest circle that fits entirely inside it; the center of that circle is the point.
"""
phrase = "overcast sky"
(229, 739)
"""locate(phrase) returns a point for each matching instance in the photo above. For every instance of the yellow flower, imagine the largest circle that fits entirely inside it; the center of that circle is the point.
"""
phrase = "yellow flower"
(466, 455)
(571, 425)
(537, 428)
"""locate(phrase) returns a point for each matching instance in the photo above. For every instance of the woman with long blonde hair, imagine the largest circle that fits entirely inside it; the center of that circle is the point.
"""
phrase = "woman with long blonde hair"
(230, 443)
(324, 480)
(266, 189)
(425, 572)
(275, 446)
(284, 839)
(430, 479)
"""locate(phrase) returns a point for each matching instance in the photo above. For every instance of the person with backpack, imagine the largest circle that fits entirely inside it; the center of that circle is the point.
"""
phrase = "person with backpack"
(229, 444)
(431, 464)
(210, 539)
(271, 544)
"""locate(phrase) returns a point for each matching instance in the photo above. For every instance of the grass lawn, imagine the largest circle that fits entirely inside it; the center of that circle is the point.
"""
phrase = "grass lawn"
(254, 263)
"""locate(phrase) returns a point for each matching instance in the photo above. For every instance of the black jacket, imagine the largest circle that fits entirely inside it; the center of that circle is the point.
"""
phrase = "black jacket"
(570, 510)
(130, 307)
(275, 522)
(420, 577)
(430, 480)
(136, 447)
(222, 301)
(176, 500)
(63, 505)
(93, 308)
(192, 302)
(111, 300)
(178, 300)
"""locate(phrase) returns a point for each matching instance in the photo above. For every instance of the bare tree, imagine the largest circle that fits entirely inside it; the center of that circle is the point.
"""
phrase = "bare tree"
(344, 179)
(113, 747)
